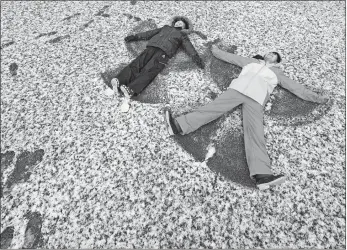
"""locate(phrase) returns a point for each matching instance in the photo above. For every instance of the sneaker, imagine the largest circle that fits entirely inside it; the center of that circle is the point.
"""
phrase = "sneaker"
(112, 87)
(170, 122)
(128, 93)
(272, 180)
(115, 83)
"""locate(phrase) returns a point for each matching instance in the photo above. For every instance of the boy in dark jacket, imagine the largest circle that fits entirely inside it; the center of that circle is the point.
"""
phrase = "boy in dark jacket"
(162, 45)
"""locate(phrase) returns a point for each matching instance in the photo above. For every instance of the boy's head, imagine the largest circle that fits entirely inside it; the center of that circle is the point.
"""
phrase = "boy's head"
(180, 22)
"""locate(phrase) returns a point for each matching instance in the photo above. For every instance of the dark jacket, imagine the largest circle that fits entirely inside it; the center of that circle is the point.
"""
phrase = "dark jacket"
(169, 39)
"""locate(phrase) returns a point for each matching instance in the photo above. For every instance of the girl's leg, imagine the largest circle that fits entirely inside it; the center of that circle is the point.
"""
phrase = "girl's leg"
(203, 115)
(257, 158)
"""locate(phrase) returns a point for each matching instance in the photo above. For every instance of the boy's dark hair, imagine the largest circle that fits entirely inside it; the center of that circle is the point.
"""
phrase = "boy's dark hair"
(279, 58)
(186, 23)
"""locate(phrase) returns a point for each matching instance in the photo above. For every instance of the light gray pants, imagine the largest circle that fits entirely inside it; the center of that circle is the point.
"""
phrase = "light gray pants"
(257, 158)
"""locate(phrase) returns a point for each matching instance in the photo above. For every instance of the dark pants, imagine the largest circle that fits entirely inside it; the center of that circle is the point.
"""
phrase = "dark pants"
(141, 71)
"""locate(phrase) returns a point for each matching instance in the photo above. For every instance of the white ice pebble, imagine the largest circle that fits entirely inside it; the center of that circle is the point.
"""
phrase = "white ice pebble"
(109, 92)
(268, 106)
(210, 152)
(125, 106)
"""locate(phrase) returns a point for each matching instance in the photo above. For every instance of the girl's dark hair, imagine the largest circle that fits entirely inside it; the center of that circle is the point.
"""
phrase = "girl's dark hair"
(279, 58)
(259, 57)
(186, 23)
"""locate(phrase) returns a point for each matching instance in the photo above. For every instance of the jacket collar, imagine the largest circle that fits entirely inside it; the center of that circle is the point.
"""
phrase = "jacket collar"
(190, 25)
(269, 65)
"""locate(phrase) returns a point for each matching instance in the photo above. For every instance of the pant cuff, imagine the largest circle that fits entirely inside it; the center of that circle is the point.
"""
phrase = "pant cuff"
(185, 127)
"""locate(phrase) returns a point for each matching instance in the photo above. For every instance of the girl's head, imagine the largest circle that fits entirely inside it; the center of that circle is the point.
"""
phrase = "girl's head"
(271, 57)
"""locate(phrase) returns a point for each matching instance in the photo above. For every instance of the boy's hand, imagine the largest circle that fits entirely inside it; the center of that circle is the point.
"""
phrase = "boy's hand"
(130, 38)
(201, 64)
(199, 61)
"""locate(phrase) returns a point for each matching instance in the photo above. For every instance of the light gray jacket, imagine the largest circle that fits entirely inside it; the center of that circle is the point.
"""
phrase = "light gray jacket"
(257, 81)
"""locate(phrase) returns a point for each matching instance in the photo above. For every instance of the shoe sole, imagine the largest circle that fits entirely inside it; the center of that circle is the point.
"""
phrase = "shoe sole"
(116, 84)
(125, 92)
(272, 183)
(167, 120)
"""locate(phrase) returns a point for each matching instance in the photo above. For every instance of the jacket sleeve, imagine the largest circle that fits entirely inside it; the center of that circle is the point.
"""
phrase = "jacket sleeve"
(147, 34)
(188, 46)
(232, 58)
(299, 90)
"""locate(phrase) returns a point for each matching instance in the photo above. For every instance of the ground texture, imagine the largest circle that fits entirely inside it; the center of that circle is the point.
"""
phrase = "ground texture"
(77, 173)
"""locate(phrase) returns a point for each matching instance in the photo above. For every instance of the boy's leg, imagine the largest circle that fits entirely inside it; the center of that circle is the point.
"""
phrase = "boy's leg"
(153, 67)
(257, 158)
(131, 71)
(203, 115)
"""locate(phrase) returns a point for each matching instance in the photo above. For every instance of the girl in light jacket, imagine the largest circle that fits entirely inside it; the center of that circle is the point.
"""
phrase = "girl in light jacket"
(252, 89)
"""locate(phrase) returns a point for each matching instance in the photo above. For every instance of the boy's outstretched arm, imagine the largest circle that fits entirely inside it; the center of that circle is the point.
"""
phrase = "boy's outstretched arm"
(142, 36)
(189, 48)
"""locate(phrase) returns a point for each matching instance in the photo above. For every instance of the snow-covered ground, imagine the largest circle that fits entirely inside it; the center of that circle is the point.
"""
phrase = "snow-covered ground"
(116, 180)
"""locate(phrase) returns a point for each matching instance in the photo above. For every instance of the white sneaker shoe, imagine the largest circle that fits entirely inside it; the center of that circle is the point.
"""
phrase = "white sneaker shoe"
(115, 83)
(128, 93)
